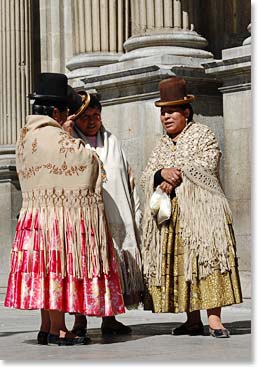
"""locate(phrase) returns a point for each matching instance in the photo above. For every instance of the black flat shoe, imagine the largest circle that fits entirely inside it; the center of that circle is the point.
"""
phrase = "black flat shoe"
(219, 333)
(56, 340)
(82, 333)
(116, 329)
(194, 330)
(42, 337)
(79, 331)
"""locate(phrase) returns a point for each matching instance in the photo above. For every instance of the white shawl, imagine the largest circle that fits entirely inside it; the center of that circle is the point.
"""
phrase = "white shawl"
(122, 208)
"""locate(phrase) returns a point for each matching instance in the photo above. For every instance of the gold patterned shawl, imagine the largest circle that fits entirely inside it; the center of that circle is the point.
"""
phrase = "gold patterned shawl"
(61, 183)
(204, 212)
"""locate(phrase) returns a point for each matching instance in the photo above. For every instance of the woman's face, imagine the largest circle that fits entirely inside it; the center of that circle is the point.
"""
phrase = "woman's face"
(173, 119)
(89, 122)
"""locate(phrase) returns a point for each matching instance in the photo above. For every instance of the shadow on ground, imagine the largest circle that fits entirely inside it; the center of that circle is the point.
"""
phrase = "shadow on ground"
(143, 331)
(10, 333)
(235, 328)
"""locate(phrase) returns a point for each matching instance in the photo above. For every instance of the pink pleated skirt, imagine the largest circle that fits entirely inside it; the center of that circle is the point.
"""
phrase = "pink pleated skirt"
(37, 282)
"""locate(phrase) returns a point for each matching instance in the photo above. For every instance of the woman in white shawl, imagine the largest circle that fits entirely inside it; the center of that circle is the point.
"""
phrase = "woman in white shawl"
(122, 207)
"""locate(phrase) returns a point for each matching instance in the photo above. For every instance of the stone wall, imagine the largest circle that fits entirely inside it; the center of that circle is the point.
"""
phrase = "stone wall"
(10, 204)
(142, 46)
(235, 71)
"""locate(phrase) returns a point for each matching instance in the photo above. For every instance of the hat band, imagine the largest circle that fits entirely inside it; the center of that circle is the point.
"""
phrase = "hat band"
(186, 100)
(85, 103)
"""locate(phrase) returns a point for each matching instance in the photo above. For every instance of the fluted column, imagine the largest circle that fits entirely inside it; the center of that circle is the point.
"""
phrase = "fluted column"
(16, 74)
(100, 28)
(15, 66)
(164, 27)
(56, 34)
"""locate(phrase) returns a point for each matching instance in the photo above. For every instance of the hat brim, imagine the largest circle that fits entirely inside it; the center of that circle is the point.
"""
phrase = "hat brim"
(85, 103)
(189, 98)
(48, 98)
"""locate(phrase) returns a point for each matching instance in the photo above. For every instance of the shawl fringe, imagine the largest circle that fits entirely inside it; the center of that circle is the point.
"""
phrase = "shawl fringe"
(152, 239)
(204, 220)
(67, 232)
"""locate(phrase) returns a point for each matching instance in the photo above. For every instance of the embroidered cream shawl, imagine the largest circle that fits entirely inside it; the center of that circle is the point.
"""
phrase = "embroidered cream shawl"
(203, 209)
(61, 184)
(122, 207)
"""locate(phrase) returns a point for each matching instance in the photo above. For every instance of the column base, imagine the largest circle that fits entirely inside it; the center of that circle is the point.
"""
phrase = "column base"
(87, 64)
(177, 42)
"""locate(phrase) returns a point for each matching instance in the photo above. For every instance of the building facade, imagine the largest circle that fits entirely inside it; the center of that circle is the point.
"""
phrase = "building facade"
(122, 49)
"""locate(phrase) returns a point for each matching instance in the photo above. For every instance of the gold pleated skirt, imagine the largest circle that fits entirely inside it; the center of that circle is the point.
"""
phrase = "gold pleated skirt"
(175, 294)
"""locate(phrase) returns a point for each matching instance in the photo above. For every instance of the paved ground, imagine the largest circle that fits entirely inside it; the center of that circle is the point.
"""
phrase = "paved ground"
(150, 342)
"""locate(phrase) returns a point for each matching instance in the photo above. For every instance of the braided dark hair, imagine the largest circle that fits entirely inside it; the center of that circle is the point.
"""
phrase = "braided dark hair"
(189, 106)
(45, 108)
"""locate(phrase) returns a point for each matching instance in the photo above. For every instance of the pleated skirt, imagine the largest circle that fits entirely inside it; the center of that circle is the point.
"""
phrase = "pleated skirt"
(36, 280)
(175, 294)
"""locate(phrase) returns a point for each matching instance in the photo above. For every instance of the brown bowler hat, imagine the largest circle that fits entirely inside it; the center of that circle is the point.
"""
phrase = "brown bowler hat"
(173, 92)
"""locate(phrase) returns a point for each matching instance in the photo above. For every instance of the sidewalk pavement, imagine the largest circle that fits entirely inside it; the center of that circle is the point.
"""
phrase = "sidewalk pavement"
(151, 340)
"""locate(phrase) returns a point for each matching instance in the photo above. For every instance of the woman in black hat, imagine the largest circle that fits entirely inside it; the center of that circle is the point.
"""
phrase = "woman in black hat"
(62, 258)
(189, 254)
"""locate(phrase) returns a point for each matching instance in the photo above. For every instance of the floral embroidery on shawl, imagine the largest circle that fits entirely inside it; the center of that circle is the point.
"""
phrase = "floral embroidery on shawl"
(67, 143)
(34, 146)
(52, 168)
(21, 142)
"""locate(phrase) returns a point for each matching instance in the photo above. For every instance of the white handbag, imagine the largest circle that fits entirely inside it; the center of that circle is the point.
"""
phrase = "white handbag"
(160, 205)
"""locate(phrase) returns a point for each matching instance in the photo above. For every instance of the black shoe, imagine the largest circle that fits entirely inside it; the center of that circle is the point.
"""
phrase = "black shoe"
(116, 329)
(55, 339)
(194, 330)
(219, 333)
(42, 337)
(79, 331)
(82, 332)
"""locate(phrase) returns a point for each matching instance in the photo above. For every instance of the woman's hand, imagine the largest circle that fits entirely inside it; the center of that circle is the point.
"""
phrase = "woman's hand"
(166, 187)
(68, 125)
(172, 176)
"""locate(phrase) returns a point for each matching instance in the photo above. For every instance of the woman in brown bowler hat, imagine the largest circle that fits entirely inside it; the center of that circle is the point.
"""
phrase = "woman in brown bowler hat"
(190, 261)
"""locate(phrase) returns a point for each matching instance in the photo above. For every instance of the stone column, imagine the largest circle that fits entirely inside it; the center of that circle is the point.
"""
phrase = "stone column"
(16, 74)
(165, 27)
(15, 66)
(100, 28)
(56, 35)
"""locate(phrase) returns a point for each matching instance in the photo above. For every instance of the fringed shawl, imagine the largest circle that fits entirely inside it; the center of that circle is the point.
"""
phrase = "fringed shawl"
(204, 213)
(61, 185)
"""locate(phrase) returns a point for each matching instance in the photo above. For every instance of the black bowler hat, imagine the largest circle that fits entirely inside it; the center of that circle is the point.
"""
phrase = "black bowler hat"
(51, 87)
(77, 102)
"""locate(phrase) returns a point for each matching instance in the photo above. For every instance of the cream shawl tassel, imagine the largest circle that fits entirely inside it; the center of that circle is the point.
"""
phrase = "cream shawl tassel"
(153, 236)
(204, 219)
